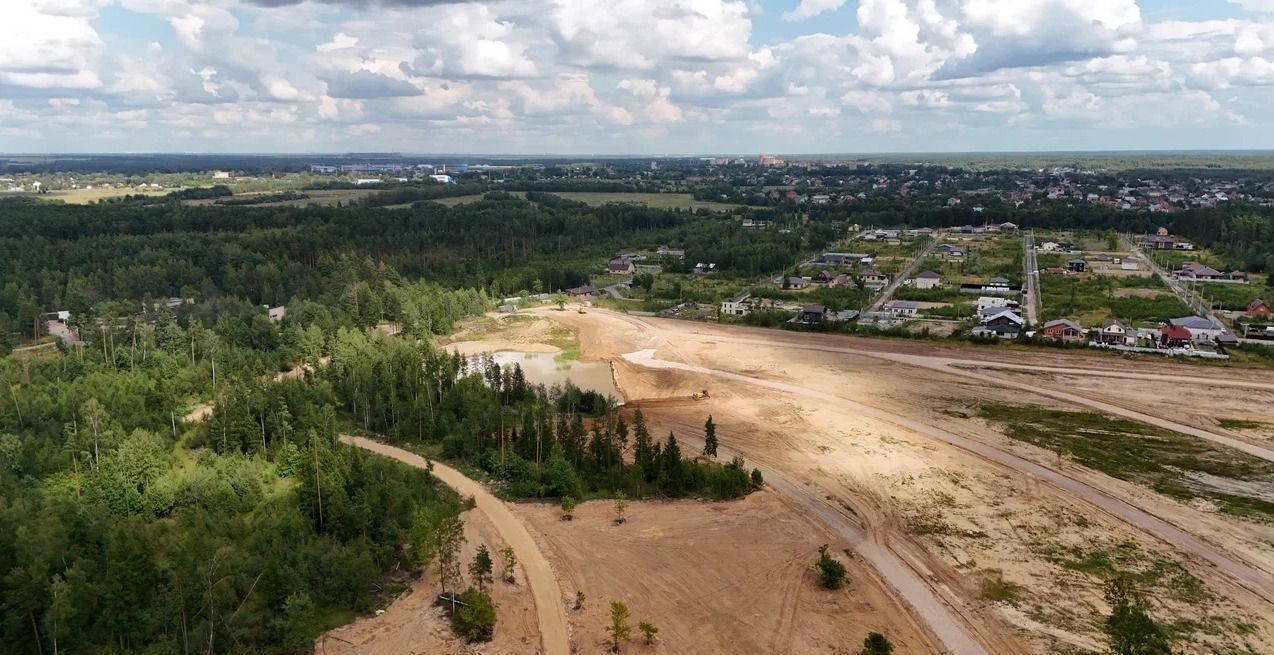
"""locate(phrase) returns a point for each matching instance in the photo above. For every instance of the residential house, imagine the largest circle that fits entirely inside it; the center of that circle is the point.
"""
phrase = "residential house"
(1201, 329)
(1076, 265)
(1226, 340)
(1063, 329)
(842, 280)
(621, 266)
(1008, 227)
(1197, 271)
(668, 252)
(1115, 333)
(1259, 309)
(277, 313)
(952, 251)
(1174, 336)
(926, 280)
(838, 258)
(824, 277)
(1005, 323)
(984, 302)
(582, 292)
(704, 269)
(797, 282)
(739, 305)
(1237, 276)
(812, 314)
(873, 277)
(902, 308)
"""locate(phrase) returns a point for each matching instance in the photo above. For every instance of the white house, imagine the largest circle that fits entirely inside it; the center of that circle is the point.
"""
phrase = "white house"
(902, 308)
(927, 280)
(985, 302)
(737, 306)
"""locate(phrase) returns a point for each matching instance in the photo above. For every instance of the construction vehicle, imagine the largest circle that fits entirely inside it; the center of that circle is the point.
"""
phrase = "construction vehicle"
(581, 310)
(700, 395)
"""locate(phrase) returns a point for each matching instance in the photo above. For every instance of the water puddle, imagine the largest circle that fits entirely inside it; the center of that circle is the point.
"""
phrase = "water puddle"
(548, 370)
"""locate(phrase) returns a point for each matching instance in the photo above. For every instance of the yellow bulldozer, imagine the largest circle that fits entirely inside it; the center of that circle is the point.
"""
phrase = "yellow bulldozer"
(700, 395)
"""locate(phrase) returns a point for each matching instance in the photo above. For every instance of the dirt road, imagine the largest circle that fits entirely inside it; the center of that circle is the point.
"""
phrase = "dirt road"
(549, 607)
(963, 367)
(1256, 581)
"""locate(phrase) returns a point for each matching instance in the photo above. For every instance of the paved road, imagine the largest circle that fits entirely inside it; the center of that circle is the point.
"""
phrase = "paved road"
(1031, 279)
(949, 629)
(903, 276)
(549, 605)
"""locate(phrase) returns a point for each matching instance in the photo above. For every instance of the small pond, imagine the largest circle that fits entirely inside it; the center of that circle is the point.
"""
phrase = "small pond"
(545, 369)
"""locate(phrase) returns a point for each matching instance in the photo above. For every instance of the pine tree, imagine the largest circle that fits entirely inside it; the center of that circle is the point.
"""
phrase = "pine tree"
(480, 568)
(619, 628)
(670, 467)
(710, 438)
(644, 452)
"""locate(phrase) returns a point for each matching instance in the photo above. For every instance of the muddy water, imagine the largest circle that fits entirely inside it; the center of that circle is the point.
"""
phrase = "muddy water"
(542, 368)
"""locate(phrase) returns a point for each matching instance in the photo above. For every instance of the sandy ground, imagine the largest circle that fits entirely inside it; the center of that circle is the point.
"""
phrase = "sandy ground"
(496, 332)
(538, 574)
(734, 577)
(414, 625)
(958, 518)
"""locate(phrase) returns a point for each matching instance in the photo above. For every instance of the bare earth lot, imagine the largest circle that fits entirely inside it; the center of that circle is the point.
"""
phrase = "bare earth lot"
(964, 538)
(1021, 560)
(727, 578)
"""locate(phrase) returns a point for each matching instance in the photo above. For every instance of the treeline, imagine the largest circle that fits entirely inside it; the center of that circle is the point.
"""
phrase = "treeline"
(66, 257)
(261, 199)
(538, 442)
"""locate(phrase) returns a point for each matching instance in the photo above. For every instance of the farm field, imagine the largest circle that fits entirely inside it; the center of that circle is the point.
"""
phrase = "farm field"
(657, 200)
(895, 436)
(87, 196)
(321, 197)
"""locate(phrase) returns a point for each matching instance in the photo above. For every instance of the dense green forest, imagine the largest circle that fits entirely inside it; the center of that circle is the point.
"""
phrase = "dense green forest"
(254, 530)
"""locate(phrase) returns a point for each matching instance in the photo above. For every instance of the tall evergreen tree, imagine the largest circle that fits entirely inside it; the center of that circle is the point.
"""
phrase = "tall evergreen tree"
(710, 438)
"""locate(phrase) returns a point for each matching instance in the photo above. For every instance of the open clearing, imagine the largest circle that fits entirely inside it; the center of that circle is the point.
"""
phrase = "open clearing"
(320, 197)
(732, 577)
(86, 196)
(656, 200)
(1019, 551)
(966, 535)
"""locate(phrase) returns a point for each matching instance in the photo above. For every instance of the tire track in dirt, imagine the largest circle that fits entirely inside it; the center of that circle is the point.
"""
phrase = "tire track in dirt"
(554, 634)
(1246, 576)
(957, 367)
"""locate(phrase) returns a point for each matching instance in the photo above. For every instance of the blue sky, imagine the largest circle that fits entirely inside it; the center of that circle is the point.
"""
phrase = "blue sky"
(635, 76)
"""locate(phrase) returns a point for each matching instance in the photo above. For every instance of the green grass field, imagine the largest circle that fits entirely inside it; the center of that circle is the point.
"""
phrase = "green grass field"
(1168, 462)
(1092, 300)
(657, 200)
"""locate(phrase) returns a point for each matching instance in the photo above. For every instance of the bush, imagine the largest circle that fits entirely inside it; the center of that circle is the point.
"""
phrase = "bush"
(876, 644)
(474, 619)
(831, 573)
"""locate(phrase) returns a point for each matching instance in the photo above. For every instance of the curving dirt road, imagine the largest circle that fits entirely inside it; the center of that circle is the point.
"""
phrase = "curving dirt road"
(942, 622)
(554, 636)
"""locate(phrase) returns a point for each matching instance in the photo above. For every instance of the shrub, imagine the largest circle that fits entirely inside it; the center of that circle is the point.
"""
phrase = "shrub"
(831, 573)
(474, 619)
